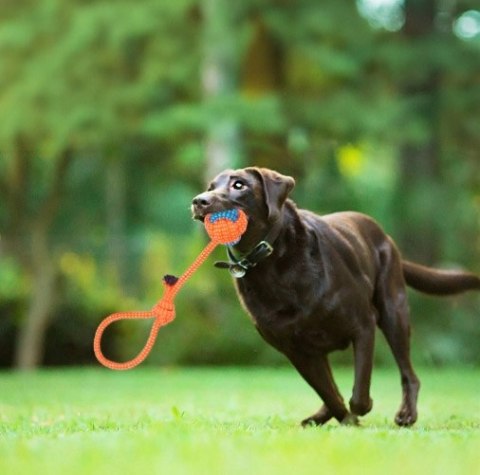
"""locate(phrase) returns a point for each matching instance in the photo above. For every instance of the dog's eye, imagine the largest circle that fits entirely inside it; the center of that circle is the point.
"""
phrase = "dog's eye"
(238, 185)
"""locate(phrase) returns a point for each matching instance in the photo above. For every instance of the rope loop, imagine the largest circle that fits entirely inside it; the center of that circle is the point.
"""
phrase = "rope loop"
(225, 227)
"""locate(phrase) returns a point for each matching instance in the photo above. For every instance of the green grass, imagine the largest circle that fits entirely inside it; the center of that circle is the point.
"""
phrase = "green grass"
(228, 421)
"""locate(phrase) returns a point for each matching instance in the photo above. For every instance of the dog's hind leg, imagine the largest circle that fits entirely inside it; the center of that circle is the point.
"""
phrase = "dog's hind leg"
(394, 321)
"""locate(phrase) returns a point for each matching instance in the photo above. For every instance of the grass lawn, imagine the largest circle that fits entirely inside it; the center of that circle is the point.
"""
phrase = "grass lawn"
(228, 421)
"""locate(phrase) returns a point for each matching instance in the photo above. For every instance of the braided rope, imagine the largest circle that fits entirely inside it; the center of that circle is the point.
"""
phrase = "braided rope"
(225, 227)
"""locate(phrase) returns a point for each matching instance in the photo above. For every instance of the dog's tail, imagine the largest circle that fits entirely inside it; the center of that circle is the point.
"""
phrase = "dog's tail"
(439, 282)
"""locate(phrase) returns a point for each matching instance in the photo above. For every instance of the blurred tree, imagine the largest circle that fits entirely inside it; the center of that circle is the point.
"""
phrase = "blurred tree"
(112, 111)
(78, 77)
(34, 254)
(429, 65)
(219, 73)
(420, 161)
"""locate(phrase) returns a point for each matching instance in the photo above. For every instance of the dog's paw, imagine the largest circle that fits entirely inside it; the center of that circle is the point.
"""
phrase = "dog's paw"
(350, 420)
(360, 408)
(309, 422)
(319, 418)
(405, 417)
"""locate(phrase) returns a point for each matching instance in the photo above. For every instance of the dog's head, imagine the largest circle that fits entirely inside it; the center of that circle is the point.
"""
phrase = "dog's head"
(260, 192)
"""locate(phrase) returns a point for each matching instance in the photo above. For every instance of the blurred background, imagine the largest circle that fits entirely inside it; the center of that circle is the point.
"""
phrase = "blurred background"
(113, 115)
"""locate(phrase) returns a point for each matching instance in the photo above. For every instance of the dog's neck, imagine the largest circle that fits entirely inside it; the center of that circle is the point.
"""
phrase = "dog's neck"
(277, 238)
(269, 232)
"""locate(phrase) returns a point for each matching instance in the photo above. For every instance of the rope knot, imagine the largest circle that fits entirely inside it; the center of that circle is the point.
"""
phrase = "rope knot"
(164, 311)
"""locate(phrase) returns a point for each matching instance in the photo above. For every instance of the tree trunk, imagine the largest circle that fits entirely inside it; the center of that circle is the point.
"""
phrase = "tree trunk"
(116, 218)
(44, 269)
(263, 74)
(31, 337)
(218, 80)
(420, 170)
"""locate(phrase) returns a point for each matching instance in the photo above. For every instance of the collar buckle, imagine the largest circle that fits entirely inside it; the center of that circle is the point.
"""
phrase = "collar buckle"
(262, 250)
(239, 267)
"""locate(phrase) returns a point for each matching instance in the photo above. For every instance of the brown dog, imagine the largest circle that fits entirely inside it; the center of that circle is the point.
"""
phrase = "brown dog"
(314, 284)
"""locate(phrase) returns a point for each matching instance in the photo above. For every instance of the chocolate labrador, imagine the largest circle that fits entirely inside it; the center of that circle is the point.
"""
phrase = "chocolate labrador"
(314, 284)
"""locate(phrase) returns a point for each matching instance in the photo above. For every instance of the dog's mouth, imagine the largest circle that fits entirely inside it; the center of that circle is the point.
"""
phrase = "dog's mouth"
(205, 204)
(200, 214)
(198, 217)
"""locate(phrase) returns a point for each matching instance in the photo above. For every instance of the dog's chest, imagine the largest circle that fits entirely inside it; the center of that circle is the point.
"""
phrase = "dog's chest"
(289, 318)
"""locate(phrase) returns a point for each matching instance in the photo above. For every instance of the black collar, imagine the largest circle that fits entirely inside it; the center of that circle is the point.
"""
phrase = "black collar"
(238, 267)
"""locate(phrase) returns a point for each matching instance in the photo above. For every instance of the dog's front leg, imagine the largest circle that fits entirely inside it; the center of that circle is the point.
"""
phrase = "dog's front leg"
(316, 371)
(363, 347)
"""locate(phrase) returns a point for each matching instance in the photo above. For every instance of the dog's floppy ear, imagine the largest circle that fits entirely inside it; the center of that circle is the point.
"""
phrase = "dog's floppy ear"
(276, 188)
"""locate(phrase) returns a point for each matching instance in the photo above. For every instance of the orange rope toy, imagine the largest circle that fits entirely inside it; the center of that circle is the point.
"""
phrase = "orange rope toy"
(224, 227)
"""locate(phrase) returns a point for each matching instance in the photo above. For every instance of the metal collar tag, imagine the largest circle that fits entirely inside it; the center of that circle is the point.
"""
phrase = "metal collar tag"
(237, 271)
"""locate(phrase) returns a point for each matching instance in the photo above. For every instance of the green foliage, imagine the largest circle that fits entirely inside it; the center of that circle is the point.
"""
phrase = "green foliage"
(122, 81)
(227, 421)
(15, 284)
(58, 92)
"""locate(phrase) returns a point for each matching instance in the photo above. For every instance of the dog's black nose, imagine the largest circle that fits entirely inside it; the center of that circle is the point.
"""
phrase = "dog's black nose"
(202, 201)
